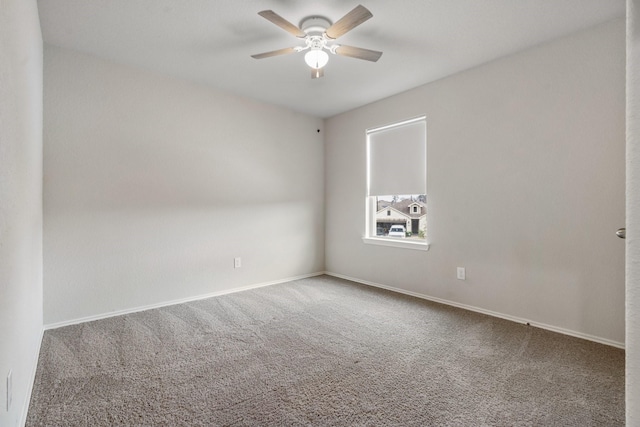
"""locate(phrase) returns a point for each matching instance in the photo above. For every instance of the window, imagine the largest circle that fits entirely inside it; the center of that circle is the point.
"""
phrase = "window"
(396, 202)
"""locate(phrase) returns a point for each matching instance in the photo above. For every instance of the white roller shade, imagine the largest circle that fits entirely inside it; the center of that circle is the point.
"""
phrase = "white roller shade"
(398, 158)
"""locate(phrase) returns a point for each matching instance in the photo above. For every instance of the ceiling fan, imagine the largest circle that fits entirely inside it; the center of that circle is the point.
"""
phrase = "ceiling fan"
(319, 35)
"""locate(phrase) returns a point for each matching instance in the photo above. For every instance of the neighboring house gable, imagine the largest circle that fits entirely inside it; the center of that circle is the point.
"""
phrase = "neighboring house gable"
(390, 214)
(415, 208)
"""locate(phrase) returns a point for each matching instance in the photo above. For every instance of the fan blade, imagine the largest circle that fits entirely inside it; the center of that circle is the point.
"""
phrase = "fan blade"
(348, 22)
(285, 51)
(316, 73)
(359, 53)
(273, 17)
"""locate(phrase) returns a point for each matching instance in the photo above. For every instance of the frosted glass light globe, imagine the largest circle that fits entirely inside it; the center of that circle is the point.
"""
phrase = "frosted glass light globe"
(316, 58)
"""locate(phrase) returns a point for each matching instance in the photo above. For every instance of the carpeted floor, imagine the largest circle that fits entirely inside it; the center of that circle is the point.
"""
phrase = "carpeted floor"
(322, 351)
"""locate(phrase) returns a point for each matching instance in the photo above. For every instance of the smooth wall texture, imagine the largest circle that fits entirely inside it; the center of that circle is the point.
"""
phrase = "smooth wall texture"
(525, 187)
(20, 203)
(633, 215)
(153, 185)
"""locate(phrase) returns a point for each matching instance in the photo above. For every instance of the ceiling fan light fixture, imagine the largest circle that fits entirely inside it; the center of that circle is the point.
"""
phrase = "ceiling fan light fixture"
(316, 58)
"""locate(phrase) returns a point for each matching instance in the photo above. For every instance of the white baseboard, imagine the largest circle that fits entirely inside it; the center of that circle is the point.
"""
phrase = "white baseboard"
(34, 370)
(174, 302)
(483, 311)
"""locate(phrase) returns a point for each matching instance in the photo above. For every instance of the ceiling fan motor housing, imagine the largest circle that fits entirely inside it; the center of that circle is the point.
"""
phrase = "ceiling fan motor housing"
(315, 25)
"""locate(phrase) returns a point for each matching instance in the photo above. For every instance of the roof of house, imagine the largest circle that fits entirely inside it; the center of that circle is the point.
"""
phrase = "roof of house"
(403, 207)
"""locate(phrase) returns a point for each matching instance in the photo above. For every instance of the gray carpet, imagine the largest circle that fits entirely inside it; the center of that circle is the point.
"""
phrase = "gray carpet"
(322, 351)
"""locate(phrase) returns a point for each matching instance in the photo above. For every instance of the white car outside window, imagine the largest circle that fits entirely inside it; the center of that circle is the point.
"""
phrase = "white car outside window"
(397, 231)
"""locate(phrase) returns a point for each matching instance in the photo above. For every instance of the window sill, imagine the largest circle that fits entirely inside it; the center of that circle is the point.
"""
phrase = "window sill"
(396, 243)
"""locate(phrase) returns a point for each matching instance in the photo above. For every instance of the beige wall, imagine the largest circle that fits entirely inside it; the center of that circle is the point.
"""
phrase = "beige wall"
(20, 203)
(152, 186)
(526, 187)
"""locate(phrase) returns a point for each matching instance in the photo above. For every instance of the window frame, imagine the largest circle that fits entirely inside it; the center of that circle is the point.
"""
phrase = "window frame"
(370, 236)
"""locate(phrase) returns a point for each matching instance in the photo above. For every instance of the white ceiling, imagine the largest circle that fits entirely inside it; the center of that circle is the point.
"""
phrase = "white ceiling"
(210, 41)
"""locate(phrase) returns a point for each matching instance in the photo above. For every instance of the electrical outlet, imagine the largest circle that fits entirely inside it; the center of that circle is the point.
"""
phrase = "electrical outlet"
(9, 390)
(237, 262)
(462, 274)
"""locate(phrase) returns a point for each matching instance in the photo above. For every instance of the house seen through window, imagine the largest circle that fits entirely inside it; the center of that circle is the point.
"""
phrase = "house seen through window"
(407, 213)
(396, 206)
